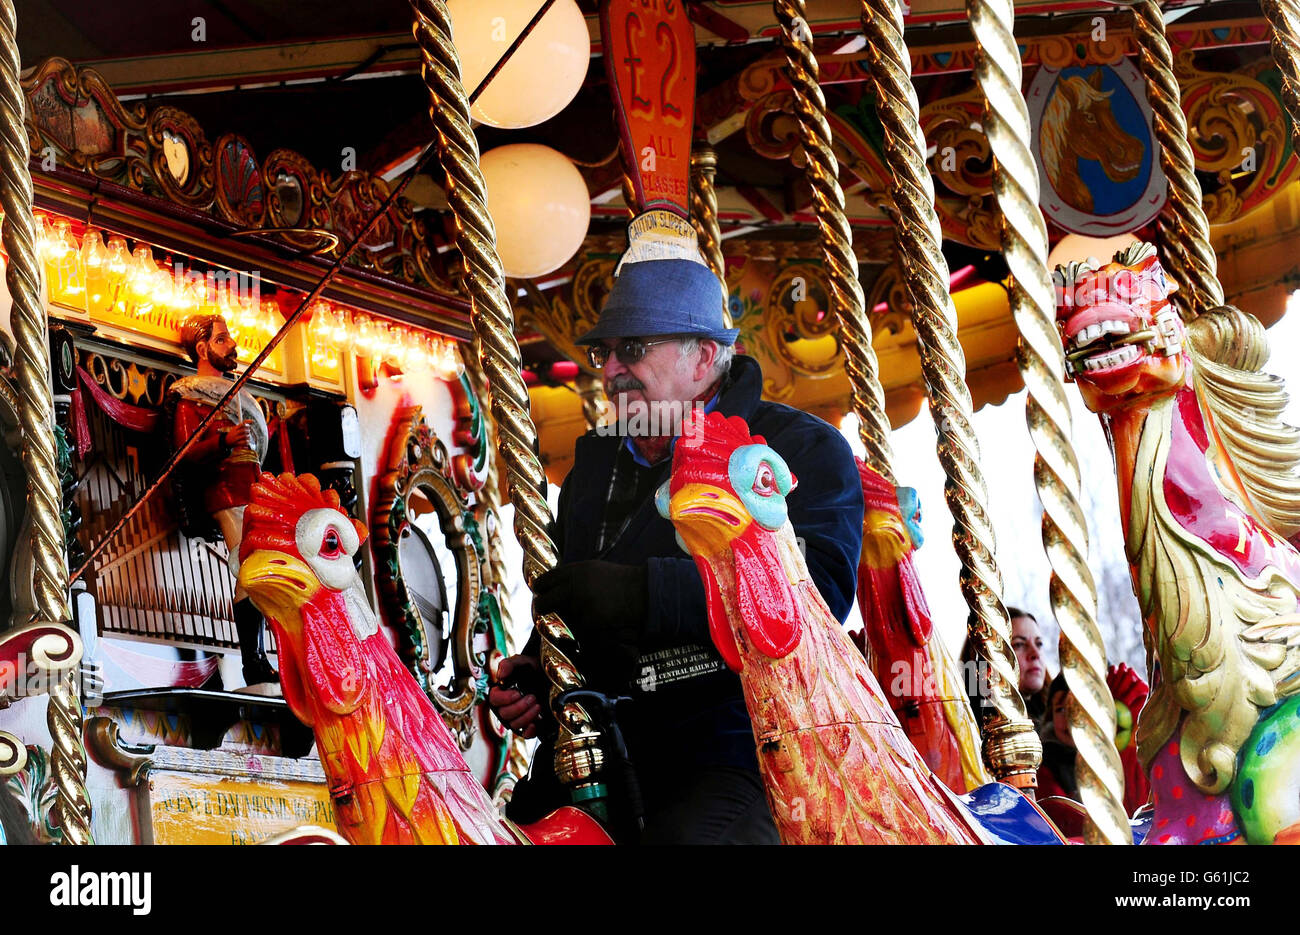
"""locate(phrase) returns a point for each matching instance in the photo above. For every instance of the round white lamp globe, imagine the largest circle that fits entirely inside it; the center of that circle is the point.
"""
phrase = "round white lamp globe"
(539, 204)
(542, 76)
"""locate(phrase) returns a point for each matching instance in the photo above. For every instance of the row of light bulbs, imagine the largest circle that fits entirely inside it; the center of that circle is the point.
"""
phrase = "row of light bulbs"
(408, 349)
(98, 276)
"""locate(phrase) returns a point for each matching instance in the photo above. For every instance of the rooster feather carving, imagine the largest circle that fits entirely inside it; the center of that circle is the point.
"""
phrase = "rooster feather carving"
(900, 641)
(837, 765)
(396, 776)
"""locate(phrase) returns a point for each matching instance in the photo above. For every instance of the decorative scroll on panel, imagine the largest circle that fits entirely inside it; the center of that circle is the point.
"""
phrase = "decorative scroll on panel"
(1240, 135)
(74, 117)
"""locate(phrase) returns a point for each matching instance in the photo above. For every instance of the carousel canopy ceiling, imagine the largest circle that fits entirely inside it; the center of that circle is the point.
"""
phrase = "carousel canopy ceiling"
(327, 80)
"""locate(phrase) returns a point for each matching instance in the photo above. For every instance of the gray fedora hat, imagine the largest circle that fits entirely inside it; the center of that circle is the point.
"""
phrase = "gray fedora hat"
(668, 296)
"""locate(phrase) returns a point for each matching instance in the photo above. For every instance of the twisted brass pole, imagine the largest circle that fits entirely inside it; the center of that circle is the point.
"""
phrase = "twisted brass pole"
(1011, 747)
(704, 217)
(1041, 360)
(822, 171)
(592, 395)
(578, 757)
(704, 209)
(1284, 17)
(1185, 249)
(490, 500)
(36, 414)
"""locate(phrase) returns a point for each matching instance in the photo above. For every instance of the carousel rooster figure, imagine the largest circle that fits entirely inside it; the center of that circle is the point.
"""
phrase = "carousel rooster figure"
(837, 765)
(906, 654)
(395, 774)
(1209, 497)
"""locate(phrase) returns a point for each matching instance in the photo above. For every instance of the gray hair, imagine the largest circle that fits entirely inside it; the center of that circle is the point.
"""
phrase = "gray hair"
(721, 364)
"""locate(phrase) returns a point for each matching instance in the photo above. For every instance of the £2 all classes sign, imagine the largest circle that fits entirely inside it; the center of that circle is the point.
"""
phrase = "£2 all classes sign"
(650, 59)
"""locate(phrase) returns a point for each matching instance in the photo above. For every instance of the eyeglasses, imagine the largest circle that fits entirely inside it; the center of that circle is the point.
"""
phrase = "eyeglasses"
(628, 352)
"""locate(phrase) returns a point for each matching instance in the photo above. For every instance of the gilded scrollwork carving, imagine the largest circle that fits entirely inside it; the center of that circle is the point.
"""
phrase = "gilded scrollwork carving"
(890, 290)
(164, 152)
(180, 158)
(418, 467)
(962, 164)
(34, 794)
(1240, 133)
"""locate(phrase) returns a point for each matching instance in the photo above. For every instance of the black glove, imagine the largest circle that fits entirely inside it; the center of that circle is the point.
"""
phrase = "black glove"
(605, 605)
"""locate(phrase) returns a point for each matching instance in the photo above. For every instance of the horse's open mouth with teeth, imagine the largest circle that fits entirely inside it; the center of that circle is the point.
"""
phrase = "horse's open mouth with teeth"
(1096, 342)
(1121, 336)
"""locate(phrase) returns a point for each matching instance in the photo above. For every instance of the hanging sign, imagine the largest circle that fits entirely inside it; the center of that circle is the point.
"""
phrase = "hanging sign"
(650, 61)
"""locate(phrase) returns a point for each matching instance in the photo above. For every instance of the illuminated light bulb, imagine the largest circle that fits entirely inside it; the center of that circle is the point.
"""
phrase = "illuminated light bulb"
(164, 298)
(320, 321)
(339, 331)
(379, 341)
(44, 236)
(116, 266)
(457, 361)
(430, 350)
(94, 259)
(140, 280)
(62, 242)
(364, 332)
(183, 298)
(93, 252)
(269, 316)
(67, 286)
(395, 345)
(448, 360)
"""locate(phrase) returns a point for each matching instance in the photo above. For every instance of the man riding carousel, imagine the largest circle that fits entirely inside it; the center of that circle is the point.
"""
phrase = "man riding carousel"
(631, 595)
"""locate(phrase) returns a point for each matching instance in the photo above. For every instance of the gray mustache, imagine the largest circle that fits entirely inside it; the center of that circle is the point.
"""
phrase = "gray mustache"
(624, 382)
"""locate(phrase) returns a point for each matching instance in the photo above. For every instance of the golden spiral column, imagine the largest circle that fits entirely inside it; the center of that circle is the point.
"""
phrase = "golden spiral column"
(1185, 249)
(1284, 17)
(577, 752)
(592, 394)
(868, 400)
(704, 217)
(36, 413)
(1047, 410)
(1011, 746)
(490, 499)
(704, 209)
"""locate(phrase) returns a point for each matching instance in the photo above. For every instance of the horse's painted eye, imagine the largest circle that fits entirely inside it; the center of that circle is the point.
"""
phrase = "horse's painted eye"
(329, 544)
(764, 480)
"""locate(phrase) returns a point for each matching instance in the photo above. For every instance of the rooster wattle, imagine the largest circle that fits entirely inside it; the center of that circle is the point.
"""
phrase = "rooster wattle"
(837, 765)
(395, 774)
(899, 639)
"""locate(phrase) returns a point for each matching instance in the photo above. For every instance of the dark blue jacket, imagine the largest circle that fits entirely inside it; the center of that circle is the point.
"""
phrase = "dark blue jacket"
(692, 710)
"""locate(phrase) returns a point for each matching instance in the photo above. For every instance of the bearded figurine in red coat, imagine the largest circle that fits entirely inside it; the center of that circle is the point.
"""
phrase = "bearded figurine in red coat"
(220, 469)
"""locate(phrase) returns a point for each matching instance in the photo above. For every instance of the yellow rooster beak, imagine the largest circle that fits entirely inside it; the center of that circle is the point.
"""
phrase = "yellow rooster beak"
(280, 582)
(707, 518)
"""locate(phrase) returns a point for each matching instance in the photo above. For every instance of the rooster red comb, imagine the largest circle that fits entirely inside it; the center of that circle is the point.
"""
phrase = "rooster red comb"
(276, 505)
(877, 493)
(704, 450)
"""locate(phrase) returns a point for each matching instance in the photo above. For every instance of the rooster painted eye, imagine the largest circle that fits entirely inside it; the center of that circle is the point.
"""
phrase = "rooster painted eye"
(762, 481)
(329, 546)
